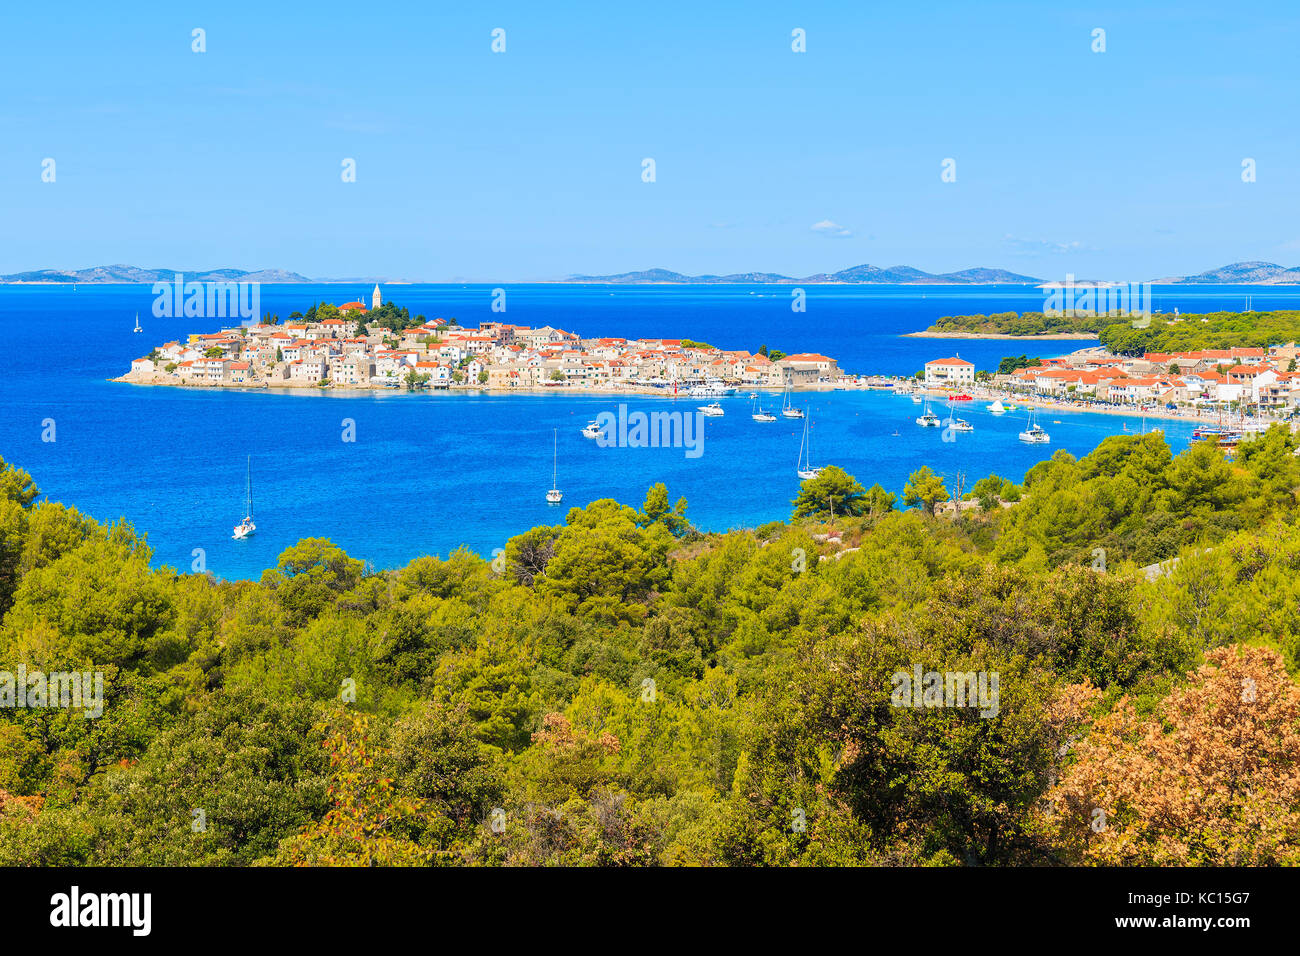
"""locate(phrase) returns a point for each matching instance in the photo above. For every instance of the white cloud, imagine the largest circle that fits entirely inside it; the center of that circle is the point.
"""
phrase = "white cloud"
(1036, 247)
(831, 229)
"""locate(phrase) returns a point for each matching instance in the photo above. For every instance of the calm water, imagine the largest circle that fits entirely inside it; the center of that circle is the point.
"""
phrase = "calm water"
(430, 472)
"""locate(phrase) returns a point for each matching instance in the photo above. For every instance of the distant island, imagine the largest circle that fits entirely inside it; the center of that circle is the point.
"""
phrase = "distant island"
(1238, 273)
(856, 275)
(123, 274)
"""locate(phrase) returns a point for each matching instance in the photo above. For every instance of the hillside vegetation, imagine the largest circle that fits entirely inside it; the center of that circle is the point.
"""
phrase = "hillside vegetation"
(620, 689)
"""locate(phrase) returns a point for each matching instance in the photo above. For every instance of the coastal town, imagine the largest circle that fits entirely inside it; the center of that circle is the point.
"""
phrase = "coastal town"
(1262, 380)
(337, 347)
(342, 347)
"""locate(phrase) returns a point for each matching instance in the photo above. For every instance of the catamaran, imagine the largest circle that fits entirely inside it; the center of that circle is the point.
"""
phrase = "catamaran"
(1034, 434)
(555, 495)
(592, 430)
(137, 323)
(246, 527)
(957, 424)
(929, 419)
(712, 410)
(805, 468)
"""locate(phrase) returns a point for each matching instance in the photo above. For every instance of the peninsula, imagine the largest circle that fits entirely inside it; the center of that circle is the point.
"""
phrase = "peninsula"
(355, 347)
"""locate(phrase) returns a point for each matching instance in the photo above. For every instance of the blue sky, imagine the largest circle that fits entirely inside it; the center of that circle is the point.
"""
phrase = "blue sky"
(527, 165)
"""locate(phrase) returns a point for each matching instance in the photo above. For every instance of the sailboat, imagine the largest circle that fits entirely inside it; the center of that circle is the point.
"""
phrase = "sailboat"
(788, 410)
(929, 419)
(1034, 434)
(137, 323)
(761, 414)
(246, 527)
(555, 495)
(805, 468)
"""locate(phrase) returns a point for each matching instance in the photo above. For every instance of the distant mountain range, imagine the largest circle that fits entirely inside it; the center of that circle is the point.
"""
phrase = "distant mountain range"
(863, 274)
(1238, 273)
(1241, 273)
(134, 274)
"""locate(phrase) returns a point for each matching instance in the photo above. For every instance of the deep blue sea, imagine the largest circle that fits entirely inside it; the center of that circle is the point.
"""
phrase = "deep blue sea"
(430, 472)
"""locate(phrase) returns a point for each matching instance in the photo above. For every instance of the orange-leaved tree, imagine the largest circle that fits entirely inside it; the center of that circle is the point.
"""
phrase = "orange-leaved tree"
(1212, 777)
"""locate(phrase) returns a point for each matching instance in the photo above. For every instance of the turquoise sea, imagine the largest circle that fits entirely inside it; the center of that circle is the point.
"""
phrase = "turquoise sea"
(431, 472)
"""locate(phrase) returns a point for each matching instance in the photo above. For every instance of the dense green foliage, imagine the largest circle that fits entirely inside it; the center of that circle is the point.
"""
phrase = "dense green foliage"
(1011, 363)
(1027, 323)
(1126, 336)
(1216, 330)
(620, 689)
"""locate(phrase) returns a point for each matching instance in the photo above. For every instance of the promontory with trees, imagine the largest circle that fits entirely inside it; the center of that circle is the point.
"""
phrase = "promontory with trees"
(1136, 335)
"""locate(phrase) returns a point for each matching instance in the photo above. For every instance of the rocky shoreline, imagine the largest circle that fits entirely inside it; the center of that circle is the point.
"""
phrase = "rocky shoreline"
(931, 334)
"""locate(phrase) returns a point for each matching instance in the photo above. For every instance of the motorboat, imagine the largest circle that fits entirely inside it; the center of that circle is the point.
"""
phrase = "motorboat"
(711, 389)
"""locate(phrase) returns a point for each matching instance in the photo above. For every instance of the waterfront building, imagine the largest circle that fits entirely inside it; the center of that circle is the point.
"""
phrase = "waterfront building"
(949, 371)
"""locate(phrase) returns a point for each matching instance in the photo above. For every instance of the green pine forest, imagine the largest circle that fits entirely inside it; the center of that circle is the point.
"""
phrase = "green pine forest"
(1125, 336)
(621, 689)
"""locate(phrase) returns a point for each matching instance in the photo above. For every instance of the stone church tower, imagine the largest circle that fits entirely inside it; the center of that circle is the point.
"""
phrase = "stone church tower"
(375, 300)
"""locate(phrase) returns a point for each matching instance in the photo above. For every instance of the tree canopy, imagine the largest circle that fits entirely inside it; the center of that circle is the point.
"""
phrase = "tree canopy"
(1009, 684)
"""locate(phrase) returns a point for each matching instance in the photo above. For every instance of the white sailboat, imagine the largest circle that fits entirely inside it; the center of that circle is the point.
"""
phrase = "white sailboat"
(805, 468)
(788, 410)
(137, 323)
(1034, 434)
(246, 527)
(761, 414)
(555, 495)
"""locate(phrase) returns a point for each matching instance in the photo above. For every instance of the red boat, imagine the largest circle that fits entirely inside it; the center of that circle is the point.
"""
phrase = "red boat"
(962, 398)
